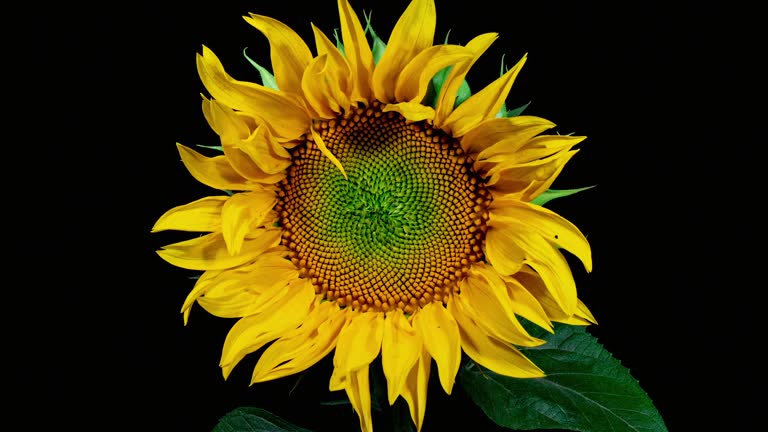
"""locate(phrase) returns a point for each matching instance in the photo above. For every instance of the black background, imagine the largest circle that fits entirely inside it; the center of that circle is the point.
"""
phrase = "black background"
(103, 346)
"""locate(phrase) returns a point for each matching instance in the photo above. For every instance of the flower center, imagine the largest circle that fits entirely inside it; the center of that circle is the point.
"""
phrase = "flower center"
(402, 230)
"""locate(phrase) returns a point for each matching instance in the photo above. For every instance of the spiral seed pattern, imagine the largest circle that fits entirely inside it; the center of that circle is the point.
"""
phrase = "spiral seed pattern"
(402, 230)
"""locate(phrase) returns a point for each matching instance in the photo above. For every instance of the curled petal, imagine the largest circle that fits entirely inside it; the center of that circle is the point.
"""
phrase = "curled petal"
(413, 33)
(533, 283)
(483, 104)
(241, 284)
(241, 213)
(264, 150)
(317, 91)
(447, 97)
(358, 52)
(283, 113)
(209, 252)
(338, 72)
(256, 163)
(359, 342)
(492, 308)
(415, 389)
(327, 153)
(203, 215)
(514, 132)
(542, 256)
(414, 79)
(412, 111)
(440, 334)
(537, 148)
(215, 172)
(254, 331)
(526, 181)
(547, 224)
(497, 356)
(526, 304)
(288, 52)
(303, 347)
(400, 350)
(358, 391)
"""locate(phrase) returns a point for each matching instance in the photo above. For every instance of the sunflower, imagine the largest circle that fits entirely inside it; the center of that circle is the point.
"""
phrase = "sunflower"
(368, 212)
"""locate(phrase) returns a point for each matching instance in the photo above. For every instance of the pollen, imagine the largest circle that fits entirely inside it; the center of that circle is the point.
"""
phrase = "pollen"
(401, 230)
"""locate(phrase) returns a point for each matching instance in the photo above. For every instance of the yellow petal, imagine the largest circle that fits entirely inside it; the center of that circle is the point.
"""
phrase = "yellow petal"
(210, 253)
(495, 355)
(526, 305)
(324, 150)
(252, 332)
(258, 164)
(338, 73)
(248, 289)
(415, 390)
(413, 33)
(303, 347)
(502, 252)
(548, 224)
(413, 81)
(317, 93)
(400, 350)
(359, 342)
(282, 113)
(359, 394)
(440, 334)
(514, 132)
(358, 52)
(288, 52)
(203, 215)
(412, 111)
(483, 104)
(532, 282)
(582, 316)
(491, 307)
(537, 148)
(243, 212)
(526, 181)
(215, 172)
(447, 97)
(543, 257)
(264, 150)
(201, 285)
(224, 121)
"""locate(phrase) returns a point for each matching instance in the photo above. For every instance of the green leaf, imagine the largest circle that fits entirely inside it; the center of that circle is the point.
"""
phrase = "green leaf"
(378, 45)
(585, 389)
(267, 79)
(550, 194)
(249, 419)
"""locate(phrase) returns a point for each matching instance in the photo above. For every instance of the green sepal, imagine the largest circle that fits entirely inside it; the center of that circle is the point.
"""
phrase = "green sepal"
(585, 388)
(378, 45)
(250, 419)
(463, 94)
(550, 194)
(436, 85)
(339, 44)
(217, 148)
(267, 79)
(503, 112)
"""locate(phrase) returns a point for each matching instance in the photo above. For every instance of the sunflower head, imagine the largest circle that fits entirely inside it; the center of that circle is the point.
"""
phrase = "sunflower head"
(370, 210)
